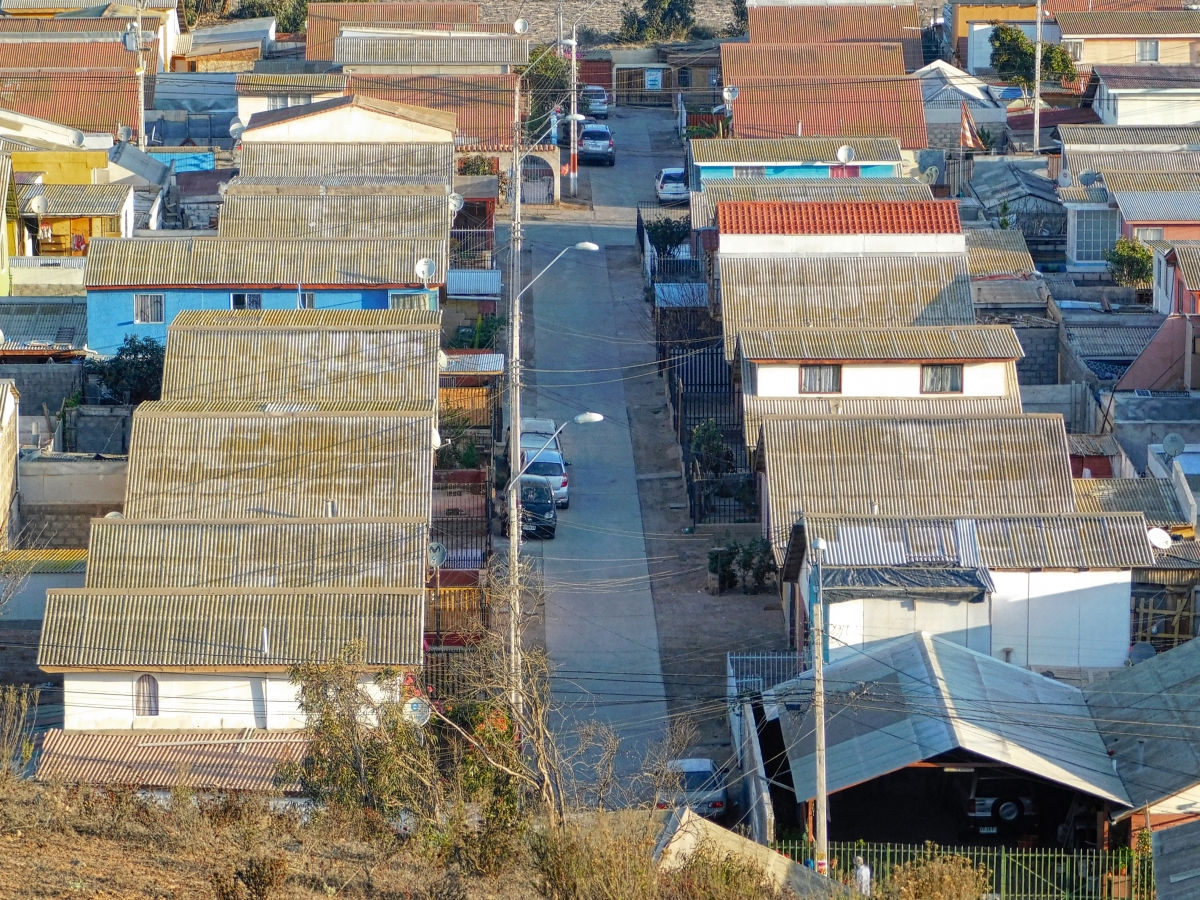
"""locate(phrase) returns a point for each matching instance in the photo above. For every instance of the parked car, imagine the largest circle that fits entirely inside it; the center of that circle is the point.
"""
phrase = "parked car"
(702, 787)
(1000, 803)
(538, 515)
(593, 101)
(534, 434)
(564, 129)
(596, 143)
(549, 464)
(671, 186)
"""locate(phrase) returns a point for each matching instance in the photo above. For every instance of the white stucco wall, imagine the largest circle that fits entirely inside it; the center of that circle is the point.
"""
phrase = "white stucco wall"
(853, 623)
(1077, 619)
(979, 380)
(248, 106)
(351, 125)
(1150, 107)
(843, 243)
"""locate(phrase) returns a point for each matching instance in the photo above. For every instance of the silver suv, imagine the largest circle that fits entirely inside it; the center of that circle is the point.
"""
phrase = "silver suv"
(593, 101)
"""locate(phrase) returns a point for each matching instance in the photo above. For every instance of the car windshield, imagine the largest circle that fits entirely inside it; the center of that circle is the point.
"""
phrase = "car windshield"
(699, 781)
(535, 492)
(533, 439)
(672, 178)
(544, 468)
(595, 135)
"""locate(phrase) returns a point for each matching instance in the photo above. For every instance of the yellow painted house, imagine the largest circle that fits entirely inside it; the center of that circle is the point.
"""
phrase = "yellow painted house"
(970, 28)
(1118, 37)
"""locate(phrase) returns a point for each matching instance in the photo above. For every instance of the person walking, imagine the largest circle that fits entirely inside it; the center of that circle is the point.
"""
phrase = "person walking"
(862, 877)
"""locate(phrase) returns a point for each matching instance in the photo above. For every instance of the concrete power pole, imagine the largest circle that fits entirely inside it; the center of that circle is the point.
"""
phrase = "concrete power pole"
(818, 652)
(514, 412)
(1037, 83)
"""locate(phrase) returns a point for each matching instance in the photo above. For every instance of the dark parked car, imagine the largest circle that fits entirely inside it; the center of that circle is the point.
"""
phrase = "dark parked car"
(538, 513)
(998, 803)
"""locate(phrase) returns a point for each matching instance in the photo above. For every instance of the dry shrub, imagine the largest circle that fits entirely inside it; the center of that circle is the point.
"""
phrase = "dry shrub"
(257, 879)
(937, 877)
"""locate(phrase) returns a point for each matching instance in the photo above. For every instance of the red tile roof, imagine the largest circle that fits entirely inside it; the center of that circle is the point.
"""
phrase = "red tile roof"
(482, 103)
(59, 54)
(839, 24)
(324, 19)
(867, 107)
(742, 61)
(764, 217)
(88, 99)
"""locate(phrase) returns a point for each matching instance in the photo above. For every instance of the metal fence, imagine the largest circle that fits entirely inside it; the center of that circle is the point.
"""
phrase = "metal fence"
(537, 182)
(472, 248)
(457, 611)
(724, 500)
(1020, 874)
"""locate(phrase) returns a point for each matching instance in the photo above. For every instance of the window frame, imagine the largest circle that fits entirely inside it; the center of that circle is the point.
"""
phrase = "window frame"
(749, 171)
(1142, 46)
(942, 368)
(683, 77)
(146, 696)
(139, 319)
(1074, 49)
(306, 300)
(834, 370)
(246, 302)
(1140, 234)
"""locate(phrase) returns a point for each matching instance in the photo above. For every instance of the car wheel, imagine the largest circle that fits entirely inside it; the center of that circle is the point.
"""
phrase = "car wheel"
(566, 504)
(612, 161)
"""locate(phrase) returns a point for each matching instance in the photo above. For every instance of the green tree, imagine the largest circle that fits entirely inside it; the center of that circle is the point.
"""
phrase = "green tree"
(658, 20)
(290, 15)
(708, 449)
(1013, 57)
(1131, 262)
(136, 370)
(668, 234)
(741, 19)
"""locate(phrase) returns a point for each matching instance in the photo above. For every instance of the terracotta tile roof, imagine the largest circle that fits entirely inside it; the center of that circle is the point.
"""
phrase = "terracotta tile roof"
(482, 103)
(32, 53)
(324, 19)
(868, 107)
(837, 25)
(742, 61)
(919, 217)
(98, 100)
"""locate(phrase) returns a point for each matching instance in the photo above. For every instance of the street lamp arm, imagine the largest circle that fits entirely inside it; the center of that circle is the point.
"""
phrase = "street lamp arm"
(561, 254)
(533, 456)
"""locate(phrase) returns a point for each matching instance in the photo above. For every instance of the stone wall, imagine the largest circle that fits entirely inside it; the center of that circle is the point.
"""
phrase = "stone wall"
(1040, 343)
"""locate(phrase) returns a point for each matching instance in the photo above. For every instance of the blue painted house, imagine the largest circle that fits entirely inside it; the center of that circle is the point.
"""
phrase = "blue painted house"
(137, 286)
(798, 157)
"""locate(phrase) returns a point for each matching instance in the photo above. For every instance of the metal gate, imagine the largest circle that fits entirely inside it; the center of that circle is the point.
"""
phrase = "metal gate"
(537, 181)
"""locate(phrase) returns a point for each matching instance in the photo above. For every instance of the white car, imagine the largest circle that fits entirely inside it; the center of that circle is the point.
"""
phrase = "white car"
(671, 186)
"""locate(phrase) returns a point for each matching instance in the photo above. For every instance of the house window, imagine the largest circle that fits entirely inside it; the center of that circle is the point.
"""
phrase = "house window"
(1096, 230)
(283, 102)
(714, 78)
(1147, 51)
(749, 171)
(245, 301)
(1074, 49)
(1148, 234)
(148, 309)
(306, 300)
(941, 379)
(145, 696)
(684, 77)
(408, 300)
(820, 379)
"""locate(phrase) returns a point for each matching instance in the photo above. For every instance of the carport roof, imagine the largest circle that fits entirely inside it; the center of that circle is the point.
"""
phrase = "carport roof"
(915, 697)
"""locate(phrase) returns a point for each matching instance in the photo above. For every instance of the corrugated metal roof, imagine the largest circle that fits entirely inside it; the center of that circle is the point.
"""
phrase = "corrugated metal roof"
(993, 252)
(124, 629)
(1093, 445)
(60, 24)
(44, 320)
(421, 162)
(254, 84)
(269, 465)
(757, 409)
(453, 48)
(1080, 160)
(716, 151)
(1109, 341)
(1158, 701)
(127, 262)
(1148, 77)
(350, 185)
(459, 363)
(1180, 555)
(7, 5)
(919, 696)
(422, 115)
(1158, 206)
(1152, 182)
(60, 52)
(160, 760)
(843, 292)
(1012, 466)
(317, 553)
(98, 100)
(879, 106)
(76, 199)
(274, 356)
(1121, 23)
(853, 217)
(473, 283)
(1179, 137)
(1081, 194)
(374, 216)
(1153, 497)
(796, 24)
(40, 562)
(1176, 850)
(1187, 258)
(740, 61)
(957, 343)
(825, 190)
(1032, 542)
(482, 104)
(325, 20)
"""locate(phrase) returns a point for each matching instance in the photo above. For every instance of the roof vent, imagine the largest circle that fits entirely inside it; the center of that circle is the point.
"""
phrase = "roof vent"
(331, 509)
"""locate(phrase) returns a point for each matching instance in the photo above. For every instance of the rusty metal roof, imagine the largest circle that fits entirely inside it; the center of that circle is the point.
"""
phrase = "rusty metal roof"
(369, 216)
(825, 190)
(993, 252)
(433, 118)
(49, 50)
(326, 19)
(303, 356)
(432, 162)
(740, 61)
(1153, 497)
(246, 760)
(1003, 466)
(450, 48)
(947, 343)
(174, 628)
(312, 553)
(847, 217)
(482, 104)
(247, 262)
(76, 200)
(843, 292)
(821, 24)
(718, 151)
(100, 100)
(1093, 445)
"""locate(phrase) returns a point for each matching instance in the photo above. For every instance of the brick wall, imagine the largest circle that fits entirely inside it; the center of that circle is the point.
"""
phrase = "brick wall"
(1040, 343)
(59, 526)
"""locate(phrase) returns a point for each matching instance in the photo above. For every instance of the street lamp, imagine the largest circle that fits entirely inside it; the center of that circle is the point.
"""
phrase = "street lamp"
(587, 418)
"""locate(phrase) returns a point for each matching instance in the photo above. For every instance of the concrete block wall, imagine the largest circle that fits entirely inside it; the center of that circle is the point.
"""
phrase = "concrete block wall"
(99, 429)
(1040, 364)
(60, 526)
(48, 383)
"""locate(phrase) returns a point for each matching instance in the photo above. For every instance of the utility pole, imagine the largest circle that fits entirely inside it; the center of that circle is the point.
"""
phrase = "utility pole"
(1037, 83)
(574, 110)
(818, 652)
(141, 74)
(514, 411)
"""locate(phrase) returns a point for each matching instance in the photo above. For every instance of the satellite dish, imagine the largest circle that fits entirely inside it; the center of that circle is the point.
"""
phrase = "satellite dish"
(77, 139)
(730, 93)
(38, 205)
(456, 202)
(1159, 539)
(1173, 445)
(425, 269)
(236, 122)
(437, 555)
(845, 154)
(1141, 651)
(437, 440)
(1065, 178)
(124, 134)
(443, 360)
(1087, 179)
(235, 130)
(114, 515)
(416, 711)
(521, 26)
